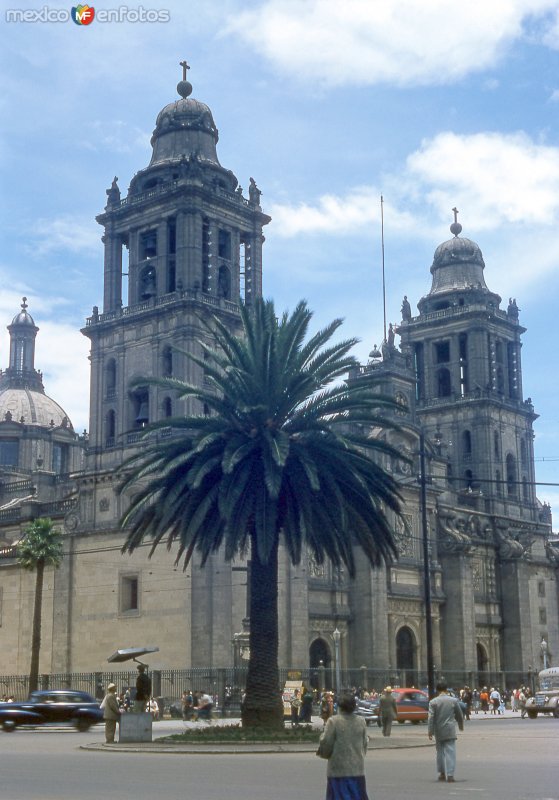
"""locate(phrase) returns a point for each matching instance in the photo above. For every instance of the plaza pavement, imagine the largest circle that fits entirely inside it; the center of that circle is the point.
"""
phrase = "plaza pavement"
(403, 736)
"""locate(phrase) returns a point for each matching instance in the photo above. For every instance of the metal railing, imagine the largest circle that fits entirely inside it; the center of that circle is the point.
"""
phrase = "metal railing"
(170, 683)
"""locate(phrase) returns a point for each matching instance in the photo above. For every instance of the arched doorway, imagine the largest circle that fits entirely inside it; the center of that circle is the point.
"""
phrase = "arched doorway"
(482, 662)
(320, 658)
(406, 655)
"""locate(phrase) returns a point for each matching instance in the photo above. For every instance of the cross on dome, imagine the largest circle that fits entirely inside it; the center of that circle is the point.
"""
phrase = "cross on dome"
(185, 66)
(184, 87)
(455, 228)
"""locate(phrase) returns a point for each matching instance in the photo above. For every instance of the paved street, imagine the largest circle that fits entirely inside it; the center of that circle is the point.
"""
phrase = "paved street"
(498, 759)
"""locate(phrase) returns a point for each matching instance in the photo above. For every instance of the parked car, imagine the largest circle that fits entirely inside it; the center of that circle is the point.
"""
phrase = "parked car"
(413, 705)
(54, 706)
(368, 709)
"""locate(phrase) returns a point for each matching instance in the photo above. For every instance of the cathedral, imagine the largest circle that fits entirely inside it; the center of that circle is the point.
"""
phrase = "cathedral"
(186, 241)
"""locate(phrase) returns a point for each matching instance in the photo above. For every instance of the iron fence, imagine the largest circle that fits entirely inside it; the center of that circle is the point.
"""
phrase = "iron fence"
(169, 684)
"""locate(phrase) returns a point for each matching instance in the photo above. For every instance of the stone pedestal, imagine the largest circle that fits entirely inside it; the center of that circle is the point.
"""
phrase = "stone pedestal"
(135, 727)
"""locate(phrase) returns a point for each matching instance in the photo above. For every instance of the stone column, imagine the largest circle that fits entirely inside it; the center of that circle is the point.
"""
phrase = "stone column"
(253, 266)
(293, 618)
(369, 641)
(112, 294)
(515, 611)
(235, 265)
(162, 265)
(133, 277)
(458, 631)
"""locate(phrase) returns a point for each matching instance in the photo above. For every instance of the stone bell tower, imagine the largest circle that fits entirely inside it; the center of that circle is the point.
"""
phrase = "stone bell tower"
(466, 353)
(185, 241)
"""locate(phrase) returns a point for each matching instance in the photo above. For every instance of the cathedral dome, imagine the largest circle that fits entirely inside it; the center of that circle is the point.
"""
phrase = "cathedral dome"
(184, 128)
(34, 408)
(457, 250)
(457, 264)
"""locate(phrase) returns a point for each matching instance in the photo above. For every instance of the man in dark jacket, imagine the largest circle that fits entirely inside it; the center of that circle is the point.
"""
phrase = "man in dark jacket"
(143, 689)
(444, 714)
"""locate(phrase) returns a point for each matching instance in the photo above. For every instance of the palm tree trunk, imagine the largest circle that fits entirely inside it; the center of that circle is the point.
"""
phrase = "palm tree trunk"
(263, 705)
(36, 634)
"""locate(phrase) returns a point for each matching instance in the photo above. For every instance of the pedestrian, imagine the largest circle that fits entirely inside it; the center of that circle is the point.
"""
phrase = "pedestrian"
(187, 703)
(205, 706)
(326, 707)
(344, 743)
(466, 697)
(295, 704)
(522, 697)
(143, 689)
(111, 713)
(495, 698)
(388, 711)
(444, 714)
(305, 714)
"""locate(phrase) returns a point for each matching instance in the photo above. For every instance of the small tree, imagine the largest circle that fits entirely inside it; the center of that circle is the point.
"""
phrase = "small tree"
(40, 547)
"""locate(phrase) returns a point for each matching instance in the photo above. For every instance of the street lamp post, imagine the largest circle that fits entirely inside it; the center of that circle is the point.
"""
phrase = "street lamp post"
(336, 636)
(426, 569)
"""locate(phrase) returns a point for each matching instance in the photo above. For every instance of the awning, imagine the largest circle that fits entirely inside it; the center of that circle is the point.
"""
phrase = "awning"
(131, 654)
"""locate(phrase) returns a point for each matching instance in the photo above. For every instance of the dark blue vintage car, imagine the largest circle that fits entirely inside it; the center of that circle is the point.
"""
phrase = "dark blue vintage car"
(52, 707)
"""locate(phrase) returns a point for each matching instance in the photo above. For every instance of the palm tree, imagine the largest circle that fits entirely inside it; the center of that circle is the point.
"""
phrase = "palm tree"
(41, 546)
(282, 457)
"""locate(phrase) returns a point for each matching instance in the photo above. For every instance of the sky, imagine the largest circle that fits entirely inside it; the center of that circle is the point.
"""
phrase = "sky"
(328, 105)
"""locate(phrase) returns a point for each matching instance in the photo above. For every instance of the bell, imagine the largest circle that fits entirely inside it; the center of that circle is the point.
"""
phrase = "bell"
(143, 414)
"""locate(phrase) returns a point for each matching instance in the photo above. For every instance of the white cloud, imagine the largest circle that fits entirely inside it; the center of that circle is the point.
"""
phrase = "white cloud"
(336, 215)
(504, 185)
(403, 42)
(67, 233)
(62, 356)
(497, 177)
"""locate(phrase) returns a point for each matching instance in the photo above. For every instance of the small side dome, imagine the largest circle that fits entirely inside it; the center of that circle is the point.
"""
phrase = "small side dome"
(23, 317)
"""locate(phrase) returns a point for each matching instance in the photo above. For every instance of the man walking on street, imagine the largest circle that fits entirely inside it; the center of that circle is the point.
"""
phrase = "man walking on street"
(388, 711)
(444, 714)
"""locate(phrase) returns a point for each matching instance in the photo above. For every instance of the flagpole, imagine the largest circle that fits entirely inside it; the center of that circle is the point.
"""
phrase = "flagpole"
(383, 280)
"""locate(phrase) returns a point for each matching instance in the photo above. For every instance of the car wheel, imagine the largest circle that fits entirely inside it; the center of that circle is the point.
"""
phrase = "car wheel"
(556, 712)
(8, 725)
(533, 714)
(401, 721)
(82, 725)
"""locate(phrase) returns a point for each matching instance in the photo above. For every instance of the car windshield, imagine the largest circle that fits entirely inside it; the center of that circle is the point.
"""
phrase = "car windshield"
(549, 684)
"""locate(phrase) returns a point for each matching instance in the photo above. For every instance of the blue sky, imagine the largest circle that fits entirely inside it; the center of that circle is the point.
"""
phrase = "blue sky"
(327, 105)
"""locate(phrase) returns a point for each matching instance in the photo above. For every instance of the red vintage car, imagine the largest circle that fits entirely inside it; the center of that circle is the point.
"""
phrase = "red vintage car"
(413, 705)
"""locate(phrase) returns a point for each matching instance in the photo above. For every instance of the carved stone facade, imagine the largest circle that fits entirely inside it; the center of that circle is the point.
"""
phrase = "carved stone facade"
(191, 243)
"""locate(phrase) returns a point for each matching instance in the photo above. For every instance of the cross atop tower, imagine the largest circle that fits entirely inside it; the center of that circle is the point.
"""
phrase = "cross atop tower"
(184, 88)
(455, 228)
